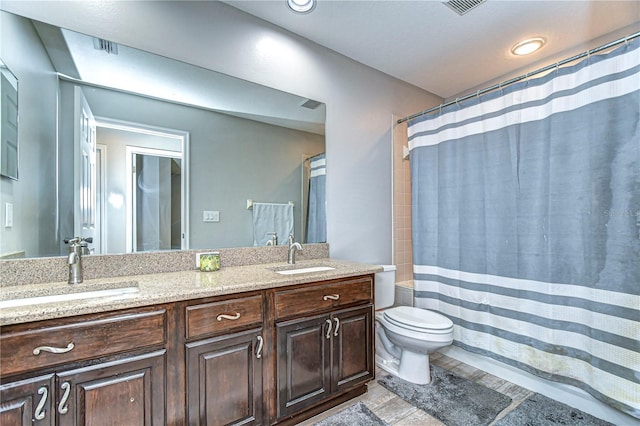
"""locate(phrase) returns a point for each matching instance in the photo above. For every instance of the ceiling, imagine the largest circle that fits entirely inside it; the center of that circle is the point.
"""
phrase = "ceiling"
(427, 44)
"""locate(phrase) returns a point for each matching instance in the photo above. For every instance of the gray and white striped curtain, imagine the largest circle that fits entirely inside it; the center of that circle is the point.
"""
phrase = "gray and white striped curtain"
(317, 216)
(526, 224)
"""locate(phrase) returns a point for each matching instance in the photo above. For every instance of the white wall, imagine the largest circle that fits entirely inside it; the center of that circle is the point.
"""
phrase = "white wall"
(34, 218)
(360, 101)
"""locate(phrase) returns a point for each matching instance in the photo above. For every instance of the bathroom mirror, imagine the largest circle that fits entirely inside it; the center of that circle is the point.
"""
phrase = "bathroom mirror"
(229, 141)
(9, 123)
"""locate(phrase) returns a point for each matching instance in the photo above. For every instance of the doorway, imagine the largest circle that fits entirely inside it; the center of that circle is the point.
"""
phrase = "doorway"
(147, 186)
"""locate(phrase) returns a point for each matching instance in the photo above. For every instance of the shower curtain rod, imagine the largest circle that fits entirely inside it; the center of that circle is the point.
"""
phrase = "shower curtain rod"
(522, 77)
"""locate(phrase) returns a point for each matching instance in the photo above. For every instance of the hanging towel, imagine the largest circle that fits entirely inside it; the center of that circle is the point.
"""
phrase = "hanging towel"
(271, 217)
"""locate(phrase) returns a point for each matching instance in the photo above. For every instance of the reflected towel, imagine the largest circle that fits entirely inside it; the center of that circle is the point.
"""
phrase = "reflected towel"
(271, 217)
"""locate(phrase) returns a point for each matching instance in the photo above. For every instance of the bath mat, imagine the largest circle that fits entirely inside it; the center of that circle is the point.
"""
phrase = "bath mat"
(357, 415)
(542, 411)
(452, 399)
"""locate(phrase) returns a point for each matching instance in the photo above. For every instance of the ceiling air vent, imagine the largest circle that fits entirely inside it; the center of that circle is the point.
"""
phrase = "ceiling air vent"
(106, 45)
(462, 6)
(311, 104)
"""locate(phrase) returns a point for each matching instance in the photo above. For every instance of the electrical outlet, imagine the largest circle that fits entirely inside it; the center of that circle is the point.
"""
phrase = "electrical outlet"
(211, 216)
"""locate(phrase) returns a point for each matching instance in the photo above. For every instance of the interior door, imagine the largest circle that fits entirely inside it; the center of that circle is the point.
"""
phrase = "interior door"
(85, 198)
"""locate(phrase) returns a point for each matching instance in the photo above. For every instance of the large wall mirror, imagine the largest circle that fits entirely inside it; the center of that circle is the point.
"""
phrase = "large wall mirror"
(142, 152)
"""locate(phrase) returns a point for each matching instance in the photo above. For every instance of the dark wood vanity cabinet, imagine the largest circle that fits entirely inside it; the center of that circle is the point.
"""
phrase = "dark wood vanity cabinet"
(321, 356)
(27, 402)
(100, 369)
(273, 356)
(224, 372)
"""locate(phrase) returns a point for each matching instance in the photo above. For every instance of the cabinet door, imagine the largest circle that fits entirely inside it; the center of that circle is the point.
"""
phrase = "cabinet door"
(129, 391)
(303, 363)
(352, 346)
(224, 380)
(27, 402)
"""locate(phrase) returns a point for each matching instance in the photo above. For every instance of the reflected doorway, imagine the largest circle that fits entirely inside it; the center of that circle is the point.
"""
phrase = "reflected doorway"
(146, 191)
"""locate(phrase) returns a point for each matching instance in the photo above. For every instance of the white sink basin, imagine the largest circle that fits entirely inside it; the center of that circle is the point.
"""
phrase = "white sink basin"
(305, 270)
(111, 293)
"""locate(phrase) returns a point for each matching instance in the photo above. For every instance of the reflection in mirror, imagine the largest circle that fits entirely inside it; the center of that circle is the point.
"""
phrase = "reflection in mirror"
(9, 123)
(225, 140)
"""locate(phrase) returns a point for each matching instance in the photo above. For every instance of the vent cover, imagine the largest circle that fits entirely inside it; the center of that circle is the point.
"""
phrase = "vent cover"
(106, 45)
(463, 6)
(311, 104)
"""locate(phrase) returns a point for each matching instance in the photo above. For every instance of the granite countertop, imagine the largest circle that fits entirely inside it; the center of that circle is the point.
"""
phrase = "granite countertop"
(167, 287)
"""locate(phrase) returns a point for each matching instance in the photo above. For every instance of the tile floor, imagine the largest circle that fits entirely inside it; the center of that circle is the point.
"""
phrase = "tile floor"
(395, 411)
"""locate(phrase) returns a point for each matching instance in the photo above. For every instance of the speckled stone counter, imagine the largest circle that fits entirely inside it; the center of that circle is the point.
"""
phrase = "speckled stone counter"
(167, 287)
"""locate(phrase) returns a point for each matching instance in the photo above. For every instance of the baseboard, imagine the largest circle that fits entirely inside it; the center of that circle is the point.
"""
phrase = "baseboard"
(566, 394)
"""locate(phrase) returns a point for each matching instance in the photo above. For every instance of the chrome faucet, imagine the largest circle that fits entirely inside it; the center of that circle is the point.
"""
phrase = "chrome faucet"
(293, 246)
(77, 248)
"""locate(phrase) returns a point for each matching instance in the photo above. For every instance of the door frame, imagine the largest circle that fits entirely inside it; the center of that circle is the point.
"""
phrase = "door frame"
(183, 137)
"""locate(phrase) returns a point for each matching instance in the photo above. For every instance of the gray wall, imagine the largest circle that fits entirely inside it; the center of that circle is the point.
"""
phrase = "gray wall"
(231, 160)
(34, 218)
(360, 101)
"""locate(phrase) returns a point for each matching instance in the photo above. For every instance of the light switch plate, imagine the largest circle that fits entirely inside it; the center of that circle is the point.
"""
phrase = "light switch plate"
(8, 215)
(211, 216)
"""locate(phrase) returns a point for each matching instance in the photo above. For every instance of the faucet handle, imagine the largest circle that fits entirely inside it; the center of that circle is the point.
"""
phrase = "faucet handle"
(291, 240)
(78, 240)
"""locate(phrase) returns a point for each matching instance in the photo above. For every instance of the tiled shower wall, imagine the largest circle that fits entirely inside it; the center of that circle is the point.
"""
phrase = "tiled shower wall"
(402, 250)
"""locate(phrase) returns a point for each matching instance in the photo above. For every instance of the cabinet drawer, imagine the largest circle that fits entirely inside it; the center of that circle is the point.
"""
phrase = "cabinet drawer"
(216, 317)
(314, 298)
(91, 338)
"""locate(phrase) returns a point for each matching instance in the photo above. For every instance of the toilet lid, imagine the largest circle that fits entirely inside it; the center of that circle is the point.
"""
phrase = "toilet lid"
(418, 318)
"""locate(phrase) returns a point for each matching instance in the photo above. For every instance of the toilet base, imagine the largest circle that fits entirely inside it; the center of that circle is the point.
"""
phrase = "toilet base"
(412, 367)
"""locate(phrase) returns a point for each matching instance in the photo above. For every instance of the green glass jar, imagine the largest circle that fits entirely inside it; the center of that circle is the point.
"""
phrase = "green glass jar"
(210, 261)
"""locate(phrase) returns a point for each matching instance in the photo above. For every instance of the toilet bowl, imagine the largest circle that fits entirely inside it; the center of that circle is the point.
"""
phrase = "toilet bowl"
(405, 336)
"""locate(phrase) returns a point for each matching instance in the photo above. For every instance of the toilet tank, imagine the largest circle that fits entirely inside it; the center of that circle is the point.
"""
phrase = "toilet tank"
(385, 290)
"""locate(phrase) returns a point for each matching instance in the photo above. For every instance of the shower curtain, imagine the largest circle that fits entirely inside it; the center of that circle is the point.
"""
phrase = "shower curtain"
(316, 216)
(526, 224)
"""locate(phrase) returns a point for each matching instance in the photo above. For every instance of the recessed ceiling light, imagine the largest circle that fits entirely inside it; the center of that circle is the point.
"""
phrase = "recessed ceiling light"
(301, 6)
(527, 46)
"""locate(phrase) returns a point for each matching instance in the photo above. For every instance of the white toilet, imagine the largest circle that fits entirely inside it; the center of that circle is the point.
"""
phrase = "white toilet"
(405, 336)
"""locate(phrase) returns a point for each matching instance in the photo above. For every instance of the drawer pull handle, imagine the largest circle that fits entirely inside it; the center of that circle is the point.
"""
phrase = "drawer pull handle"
(40, 413)
(259, 350)
(53, 350)
(329, 324)
(63, 408)
(331, 297)
(229, 317)
(335, 331)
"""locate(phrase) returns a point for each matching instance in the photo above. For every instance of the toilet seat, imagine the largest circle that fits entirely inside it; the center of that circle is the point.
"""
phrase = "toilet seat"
(417, 319)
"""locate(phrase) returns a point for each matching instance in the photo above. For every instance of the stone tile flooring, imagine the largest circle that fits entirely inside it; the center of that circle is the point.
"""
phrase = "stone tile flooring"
(395, 411)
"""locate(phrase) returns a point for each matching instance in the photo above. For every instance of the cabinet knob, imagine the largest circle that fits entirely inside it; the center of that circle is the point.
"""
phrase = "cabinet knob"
(229, 317)
(63, 408)
(260, 344)
(335, 330)
(329, 325)
(53, 349)
(330, 297)
(39, 414)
